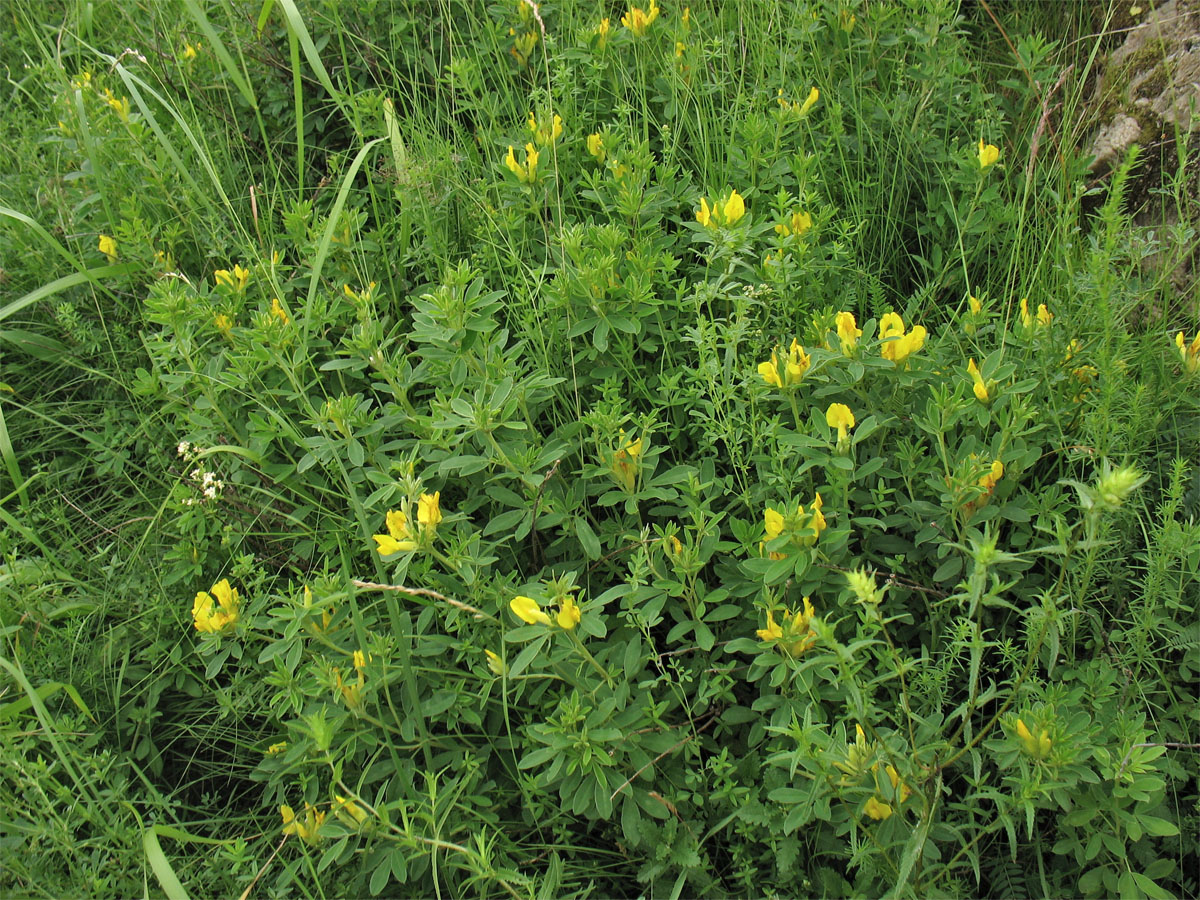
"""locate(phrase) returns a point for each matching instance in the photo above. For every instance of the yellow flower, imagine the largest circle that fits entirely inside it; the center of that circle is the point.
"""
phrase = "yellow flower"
(527, 10)
(897, 345)
(1037, 747)
(975, 304)
(223, 324)
(794, 634)
(772, 632)
(797, 223)
(839, 416)
(527, 610)
(809, 102)
(680, 47)
(235, 280)
(686, 19)
(398, 537)
(495, 663)
(277, 748)
(804, 528)
(638, 21)
(522, 47)
(722, 213)
(1044, 316)
(793, 110)
(215, 617)
(877, 809)
(848, 331)
(770, 371)
(858, 756)
(429, 513)
(624, 465)
(307, 828)
(735, 208)
(1189, 353)
(121, 106)
(526, 173)
(108, 247)
(847, 19)
(545, 134)
(796, 364)
(569, 613)
(993, 475)
(894, 778)
(981, 391)
(351, 691)
(816, 522)
(595, 146)
(988, 154)
(279, 313)
(772, 523)
(189, 52)
(349, 812)
(602, 31)
(359, 659)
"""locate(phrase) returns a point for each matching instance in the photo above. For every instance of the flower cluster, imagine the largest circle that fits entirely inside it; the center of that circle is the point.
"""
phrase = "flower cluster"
(278, 313)
(848, 333)
(897, 345)
(796, 224)
(216, 616)
(723, 212)
(530, 611)
(1038, 747)
(796, 110)
(235, 280)
(878, 808)
(639, 20)
(1189, 353)
(545, 133)
(601, 34)
(795, 364)
(351, 691)
(306, 828)
(982, 393)
(624, 466)
(526, 172)
(1042, 320)
(523, 45)
(802, 528)
(400, 537)
(794, 634)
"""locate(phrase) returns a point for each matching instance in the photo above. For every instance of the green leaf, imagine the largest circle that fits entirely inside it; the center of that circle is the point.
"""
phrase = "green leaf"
(1157, 827)
(1150, 888)
(912, 852)
(587, 538)
(162, 867)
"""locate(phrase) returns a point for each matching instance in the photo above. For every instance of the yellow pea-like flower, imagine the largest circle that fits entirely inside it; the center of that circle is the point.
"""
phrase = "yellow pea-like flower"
(988, 154)
(528, 610)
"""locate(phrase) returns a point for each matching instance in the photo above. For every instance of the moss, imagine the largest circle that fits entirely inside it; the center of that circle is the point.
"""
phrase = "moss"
(1114, 92)
(1154, 83)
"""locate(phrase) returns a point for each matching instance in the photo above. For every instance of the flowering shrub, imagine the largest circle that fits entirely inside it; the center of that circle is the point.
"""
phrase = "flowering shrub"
(612, 451)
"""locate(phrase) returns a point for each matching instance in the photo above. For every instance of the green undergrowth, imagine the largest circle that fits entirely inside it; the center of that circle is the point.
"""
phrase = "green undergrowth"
(460, 449)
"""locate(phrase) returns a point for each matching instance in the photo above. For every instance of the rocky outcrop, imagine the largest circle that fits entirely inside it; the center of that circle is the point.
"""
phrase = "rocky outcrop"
(1148, 93)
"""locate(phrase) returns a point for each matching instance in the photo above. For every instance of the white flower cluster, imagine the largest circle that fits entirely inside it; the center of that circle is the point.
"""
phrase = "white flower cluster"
(206, 482)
